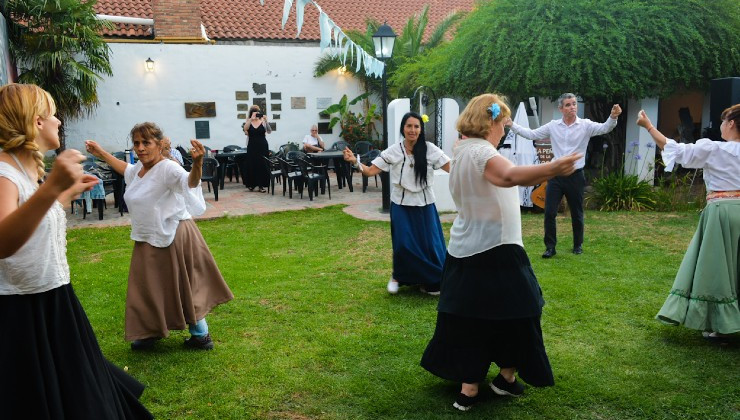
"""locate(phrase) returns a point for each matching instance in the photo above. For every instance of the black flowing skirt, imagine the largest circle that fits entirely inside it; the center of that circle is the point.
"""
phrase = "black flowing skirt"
(489, 312)
(51, 366)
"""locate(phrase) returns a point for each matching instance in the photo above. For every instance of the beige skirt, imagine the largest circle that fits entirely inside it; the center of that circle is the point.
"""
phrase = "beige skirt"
(169, 288)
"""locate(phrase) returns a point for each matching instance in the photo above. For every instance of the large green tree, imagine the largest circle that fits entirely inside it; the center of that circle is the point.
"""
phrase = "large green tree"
(411, 42)
(58, 46)
(606, 51)
(603, 50)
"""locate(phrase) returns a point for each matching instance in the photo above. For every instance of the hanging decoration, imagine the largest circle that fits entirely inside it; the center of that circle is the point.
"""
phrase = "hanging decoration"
(332, 37)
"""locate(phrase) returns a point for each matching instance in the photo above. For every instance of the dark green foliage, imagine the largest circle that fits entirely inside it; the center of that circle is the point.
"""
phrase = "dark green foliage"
(599, 49)
(58, 46)
(620, 191)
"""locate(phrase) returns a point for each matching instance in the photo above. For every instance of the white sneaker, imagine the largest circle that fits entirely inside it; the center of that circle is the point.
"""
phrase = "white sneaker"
(432, 293)
(392, 286)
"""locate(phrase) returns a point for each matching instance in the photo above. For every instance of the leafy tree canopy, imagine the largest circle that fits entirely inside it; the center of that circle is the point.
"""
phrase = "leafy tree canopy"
(58, 46)
(599, 49)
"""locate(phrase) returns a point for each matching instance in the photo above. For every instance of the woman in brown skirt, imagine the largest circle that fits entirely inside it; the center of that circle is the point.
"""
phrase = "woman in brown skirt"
(173, 279)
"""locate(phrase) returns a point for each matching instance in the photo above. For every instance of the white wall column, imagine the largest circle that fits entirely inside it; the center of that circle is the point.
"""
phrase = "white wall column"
(639, 156)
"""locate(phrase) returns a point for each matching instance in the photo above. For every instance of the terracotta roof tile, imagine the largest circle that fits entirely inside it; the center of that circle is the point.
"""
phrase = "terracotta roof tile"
(249, 20)
(128, 8)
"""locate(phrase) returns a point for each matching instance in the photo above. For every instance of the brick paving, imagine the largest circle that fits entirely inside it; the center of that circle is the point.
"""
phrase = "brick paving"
(235, 200)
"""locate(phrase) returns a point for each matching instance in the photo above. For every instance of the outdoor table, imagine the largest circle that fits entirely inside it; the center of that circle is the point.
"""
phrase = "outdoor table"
(223, 159)
(341, 167)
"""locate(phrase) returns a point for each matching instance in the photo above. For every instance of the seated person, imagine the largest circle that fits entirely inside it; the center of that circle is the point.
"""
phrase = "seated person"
(171, 153)
(312, 142)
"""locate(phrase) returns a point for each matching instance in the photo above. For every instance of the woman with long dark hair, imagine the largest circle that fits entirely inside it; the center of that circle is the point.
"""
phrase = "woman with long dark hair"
(418, 243)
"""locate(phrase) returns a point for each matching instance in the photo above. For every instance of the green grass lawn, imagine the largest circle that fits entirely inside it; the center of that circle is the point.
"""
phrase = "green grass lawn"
(312, 333)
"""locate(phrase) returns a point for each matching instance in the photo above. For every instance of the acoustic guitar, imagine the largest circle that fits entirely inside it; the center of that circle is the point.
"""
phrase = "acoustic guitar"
(538, 195)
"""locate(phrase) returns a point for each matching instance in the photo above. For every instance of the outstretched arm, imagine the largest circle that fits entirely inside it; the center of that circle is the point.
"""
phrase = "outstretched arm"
(96, 150)
(368, 171)
(502, 173)
(196, 172)
(537, 134)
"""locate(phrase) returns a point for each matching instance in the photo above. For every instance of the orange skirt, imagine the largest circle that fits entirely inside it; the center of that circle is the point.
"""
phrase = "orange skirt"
(169, 288)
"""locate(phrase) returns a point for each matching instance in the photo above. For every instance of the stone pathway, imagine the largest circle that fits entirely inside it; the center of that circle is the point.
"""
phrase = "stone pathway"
(235, 200)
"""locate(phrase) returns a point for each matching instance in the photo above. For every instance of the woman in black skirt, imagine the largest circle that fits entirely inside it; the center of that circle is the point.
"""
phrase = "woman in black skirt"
(50, 362)
(490, 303)
(255, 169)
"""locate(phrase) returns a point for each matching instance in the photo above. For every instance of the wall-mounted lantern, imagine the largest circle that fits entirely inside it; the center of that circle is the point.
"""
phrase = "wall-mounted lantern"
(149, 64)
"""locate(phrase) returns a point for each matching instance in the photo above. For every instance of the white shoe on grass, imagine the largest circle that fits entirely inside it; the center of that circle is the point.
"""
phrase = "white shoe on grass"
(392, 286)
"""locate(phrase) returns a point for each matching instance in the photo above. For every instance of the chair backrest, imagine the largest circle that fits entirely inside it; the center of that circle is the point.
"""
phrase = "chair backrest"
(339, 145)
(231, 148)
(369, 156)
(210, 166)
(363, 147)
(295, 154)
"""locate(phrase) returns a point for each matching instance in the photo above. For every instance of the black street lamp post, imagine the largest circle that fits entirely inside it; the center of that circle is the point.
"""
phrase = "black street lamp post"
(384, 39)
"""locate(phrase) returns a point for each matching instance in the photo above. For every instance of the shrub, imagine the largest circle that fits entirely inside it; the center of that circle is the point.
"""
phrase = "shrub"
(619, 191)
(678, 192)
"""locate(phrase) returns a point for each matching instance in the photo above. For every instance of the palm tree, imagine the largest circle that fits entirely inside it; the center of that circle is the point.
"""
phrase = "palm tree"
(58, 46)
(408, 45)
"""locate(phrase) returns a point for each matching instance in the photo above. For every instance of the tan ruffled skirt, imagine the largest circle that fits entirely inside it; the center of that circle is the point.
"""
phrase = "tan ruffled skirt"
(169, 288)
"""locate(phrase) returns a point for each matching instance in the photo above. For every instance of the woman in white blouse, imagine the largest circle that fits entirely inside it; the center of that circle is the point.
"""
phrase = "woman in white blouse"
(704, 293)
(416, 234)
(490, 307)
(50, 361)
(173, 279)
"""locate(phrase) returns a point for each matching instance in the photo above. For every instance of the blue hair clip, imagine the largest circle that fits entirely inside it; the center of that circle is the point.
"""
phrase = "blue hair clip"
(494, 109)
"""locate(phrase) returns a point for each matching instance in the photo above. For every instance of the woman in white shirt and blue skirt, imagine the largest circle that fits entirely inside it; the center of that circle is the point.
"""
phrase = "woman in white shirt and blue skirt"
(490, 307)
(416, 234)
(51, 365)
(704, 294)
(173, 280)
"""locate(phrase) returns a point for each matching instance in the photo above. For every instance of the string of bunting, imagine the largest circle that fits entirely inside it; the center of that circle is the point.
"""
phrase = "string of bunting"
(334, 38)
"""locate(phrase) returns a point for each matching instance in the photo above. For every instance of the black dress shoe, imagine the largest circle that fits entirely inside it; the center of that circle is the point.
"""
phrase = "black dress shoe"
(549, 252)
(578, 250)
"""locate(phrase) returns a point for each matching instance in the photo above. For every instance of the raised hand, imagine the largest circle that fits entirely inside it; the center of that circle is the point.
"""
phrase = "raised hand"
(197, 152)
(66, 171)
(643, 120)
(349, 156)
(508, 122)
(616, 110)
(94, 148)
(566, 165)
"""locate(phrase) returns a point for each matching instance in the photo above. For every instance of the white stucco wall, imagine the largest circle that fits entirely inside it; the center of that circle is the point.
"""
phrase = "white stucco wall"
(208, 73)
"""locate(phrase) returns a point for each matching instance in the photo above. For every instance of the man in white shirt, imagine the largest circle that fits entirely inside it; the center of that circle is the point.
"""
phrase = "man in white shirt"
(567, 135)
(312, 142)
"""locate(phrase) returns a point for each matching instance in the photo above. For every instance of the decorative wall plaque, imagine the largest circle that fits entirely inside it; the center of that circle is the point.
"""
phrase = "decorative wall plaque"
(275, 116)
(242, 107)
(260, 102)
(276, 96)
(241, 116)
(259, 89)
(324, 128)
(324, 116)
(242, 95)
(273, 126)
(323, 103)
(200, 109)
(202, 130)
(298, 102)
(276, 107)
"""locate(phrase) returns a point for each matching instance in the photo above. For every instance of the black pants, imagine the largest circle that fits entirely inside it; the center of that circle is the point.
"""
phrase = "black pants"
(572, 187)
